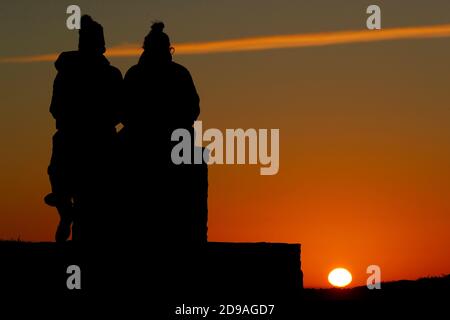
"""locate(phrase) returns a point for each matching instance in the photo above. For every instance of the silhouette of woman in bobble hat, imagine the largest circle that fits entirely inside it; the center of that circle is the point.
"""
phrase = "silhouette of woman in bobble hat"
(159, 88)
(161, 97)
(85, 106)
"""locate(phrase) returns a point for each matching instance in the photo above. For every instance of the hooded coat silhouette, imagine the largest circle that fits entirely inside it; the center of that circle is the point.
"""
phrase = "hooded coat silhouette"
(85, 105)
(161, 96)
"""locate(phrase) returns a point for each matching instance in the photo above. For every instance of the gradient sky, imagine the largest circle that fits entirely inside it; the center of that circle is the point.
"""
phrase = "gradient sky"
(365, 127)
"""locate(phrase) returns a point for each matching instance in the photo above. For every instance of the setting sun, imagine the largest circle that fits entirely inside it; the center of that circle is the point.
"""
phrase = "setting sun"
(340, 277)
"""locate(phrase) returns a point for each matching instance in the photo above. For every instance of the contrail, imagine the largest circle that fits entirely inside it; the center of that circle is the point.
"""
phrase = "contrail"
(270, 42)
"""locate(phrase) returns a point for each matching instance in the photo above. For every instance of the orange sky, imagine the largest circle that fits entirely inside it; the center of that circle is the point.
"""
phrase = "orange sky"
(364, 127)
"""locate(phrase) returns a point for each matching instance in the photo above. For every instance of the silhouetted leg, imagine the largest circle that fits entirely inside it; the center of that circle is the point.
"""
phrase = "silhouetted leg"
(65, 210)
(60, 181)
(66, 217)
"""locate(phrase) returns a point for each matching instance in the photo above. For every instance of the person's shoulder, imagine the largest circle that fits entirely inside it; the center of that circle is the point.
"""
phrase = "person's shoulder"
(180, 69)
(115, 72)
(132, 71)
(67, 59)
(69, 55)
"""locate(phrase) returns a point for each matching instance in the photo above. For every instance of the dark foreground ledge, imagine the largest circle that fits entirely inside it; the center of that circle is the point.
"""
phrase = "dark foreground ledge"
(217, 271)
(156, 282)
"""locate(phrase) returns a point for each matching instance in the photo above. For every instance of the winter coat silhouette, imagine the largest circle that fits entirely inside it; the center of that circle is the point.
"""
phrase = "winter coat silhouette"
(85, 106)
(169, 200)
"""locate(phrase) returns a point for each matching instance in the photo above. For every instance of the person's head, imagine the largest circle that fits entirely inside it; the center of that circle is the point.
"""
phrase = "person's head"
(91, 39)
(157, 43)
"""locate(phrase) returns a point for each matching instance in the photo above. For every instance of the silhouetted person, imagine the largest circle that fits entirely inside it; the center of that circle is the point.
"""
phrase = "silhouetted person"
(86, 94)
(169, 202)
(161, 92)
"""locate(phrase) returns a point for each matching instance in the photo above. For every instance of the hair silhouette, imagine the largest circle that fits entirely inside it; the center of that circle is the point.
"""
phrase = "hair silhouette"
(157, 44)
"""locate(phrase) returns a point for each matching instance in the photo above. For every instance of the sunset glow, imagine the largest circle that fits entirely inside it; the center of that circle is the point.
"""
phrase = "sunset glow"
(363, 116)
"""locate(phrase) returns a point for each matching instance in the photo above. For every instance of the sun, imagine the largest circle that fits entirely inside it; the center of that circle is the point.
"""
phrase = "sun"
(340, 277)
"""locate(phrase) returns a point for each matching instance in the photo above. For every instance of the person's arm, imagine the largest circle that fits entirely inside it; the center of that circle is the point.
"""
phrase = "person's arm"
(192, 99)
(55, 105)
